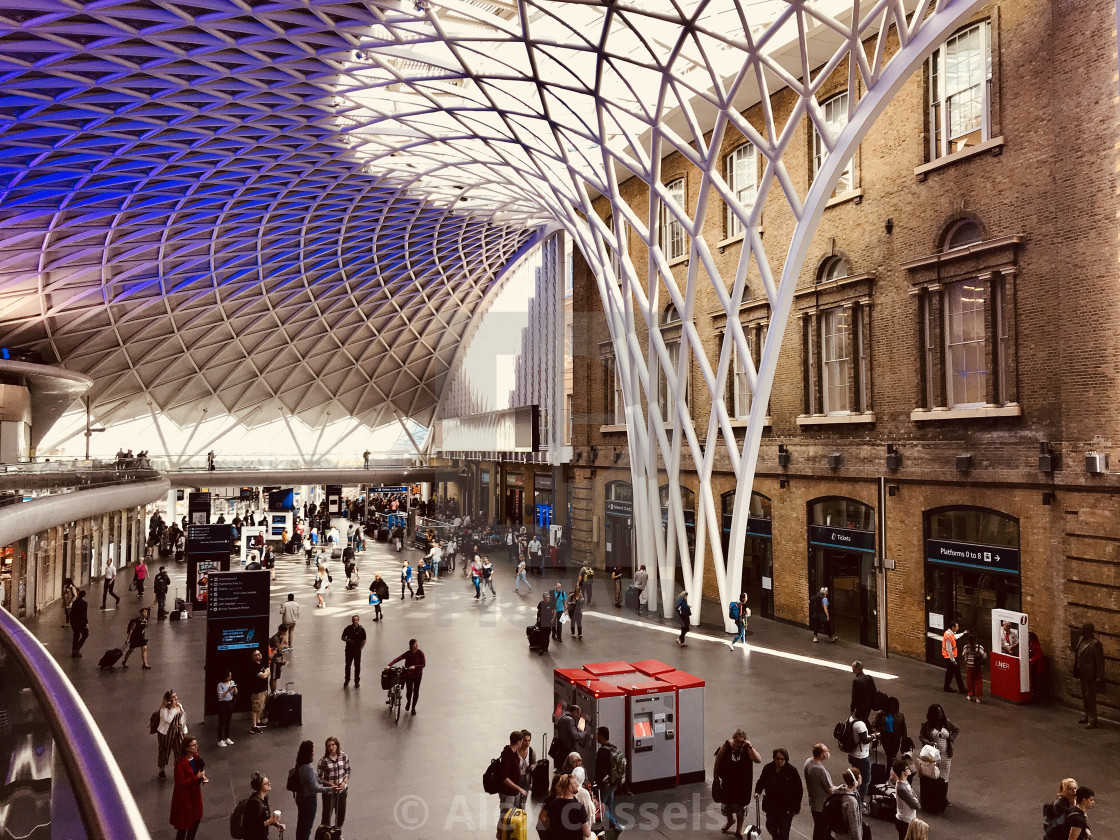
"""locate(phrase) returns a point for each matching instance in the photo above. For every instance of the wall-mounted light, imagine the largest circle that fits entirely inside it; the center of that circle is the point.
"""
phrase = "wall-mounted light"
(834, 460)
(594, 453)
(894, 457)
(617, 456)
(1048, 461)
(889, 226)
(1096, 463)
(783, 456)
(578, 456)
(964, 463)
(1047, 497)
(892, 489)
(783, 483)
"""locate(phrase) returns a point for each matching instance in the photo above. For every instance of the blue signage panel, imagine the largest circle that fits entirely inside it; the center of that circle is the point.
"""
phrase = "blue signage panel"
(849, 538)
(756, 526)
(620, 508)
(992, 558)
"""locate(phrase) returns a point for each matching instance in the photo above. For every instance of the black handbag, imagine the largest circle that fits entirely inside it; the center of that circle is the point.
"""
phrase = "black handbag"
(717, 789)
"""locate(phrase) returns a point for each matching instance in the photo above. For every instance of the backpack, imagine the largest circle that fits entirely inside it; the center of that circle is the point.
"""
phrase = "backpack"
(492, 777)
(834, 813)
(618, 767)
(1056, 828)
(733, 610)
(237, 820)
(293, 780)
(844, 733)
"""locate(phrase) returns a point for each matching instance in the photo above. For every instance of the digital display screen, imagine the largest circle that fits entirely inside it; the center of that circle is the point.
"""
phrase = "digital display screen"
(643, 728)
(238, 638)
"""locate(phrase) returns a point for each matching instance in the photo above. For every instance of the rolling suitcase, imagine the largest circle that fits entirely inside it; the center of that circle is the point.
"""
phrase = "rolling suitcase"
(110, 658)
(539, 776)
(513, 823)
(754, 832)
(286, 707)
(882, 805)
(539, 638)
(934, 795)
(633, 598)
(879, 772)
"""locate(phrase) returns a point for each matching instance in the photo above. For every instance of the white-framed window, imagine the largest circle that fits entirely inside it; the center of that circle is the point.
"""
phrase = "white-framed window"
(740, 387)
(616, 261)
(835, 118)
(742, 178)
(965, 368)
(836, 359)
(569, 406)
(960, 85)
(665, 400)
(672, 240)
(615, 404)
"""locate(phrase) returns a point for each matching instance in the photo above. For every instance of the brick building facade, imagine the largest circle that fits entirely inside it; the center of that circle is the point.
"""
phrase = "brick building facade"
(951, 361)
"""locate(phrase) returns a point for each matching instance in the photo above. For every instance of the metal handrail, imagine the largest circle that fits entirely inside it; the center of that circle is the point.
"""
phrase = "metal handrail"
(107, 807)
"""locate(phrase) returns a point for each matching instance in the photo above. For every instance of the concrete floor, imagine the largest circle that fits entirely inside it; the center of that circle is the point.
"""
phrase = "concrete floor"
(422, 779)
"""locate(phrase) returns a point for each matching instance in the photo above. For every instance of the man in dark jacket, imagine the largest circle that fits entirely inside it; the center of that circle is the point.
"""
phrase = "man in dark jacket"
(863, 693)
(569, 735)
(79, 623)
(161, 585)
(510, 764)
(1088, 666)
(782, 786)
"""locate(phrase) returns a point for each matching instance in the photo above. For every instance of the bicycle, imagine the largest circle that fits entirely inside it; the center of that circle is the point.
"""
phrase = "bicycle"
(395, 689)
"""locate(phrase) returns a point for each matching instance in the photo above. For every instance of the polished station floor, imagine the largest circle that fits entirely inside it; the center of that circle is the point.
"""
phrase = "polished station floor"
(422, 778)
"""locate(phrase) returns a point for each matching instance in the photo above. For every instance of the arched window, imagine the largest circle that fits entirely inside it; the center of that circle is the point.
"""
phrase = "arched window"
(620, 491)
(962, 234)
(670, 315)
(833, 268)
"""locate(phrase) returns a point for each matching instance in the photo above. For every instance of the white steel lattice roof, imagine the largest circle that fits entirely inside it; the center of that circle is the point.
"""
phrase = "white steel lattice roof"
(297, 207)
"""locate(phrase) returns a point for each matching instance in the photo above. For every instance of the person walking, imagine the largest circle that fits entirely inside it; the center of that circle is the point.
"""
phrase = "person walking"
(160, 585)
(739, 612)
(1088, 667)
(906, 801)
(170, 731)
(560, 603)
(257, 816)
(355, 638)
(575, 612)
(308, 787)
(684, 612)
(334, 772)
(227, 693)
(734, 768)
(108, 583)
(406, 579)
(186, 799)
(414, 662)
(289, 615)
(974, 656)
(488, 575)
(521, 578)
(434, 556)
(140, 575)
(616, 579)
(783, 794)
(1077, 819)
(69, 596)
(949, 654)
(586, 581)
(546, 611)
(818, 784)
(136, 636)
(380, 591)
(79, 623)
(536, 555)
(863, 693)
(820, 615)
(511, 545)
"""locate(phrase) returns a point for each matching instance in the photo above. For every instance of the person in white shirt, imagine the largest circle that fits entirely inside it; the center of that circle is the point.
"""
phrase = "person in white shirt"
(860, 756)
(435, 554)
(108, 583)
(535, 552)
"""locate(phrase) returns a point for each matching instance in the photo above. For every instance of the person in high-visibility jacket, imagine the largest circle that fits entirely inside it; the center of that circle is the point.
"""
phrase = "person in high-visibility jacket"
(949, 654)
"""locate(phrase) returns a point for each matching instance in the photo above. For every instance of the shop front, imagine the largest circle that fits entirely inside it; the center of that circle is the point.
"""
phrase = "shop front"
(842, 557)
(618, 519)
(972, 568)
(758, 553)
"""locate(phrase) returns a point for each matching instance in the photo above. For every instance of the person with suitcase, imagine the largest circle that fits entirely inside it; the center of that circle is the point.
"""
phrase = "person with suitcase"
(734, 768)
(641, 581)
(781, 785)
(258, 690)
(939, 732)
(906, 801)
(334, 772)
(512, 771)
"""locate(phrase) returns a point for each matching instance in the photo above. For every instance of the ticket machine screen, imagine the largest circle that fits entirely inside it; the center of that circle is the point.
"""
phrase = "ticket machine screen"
(643, 727)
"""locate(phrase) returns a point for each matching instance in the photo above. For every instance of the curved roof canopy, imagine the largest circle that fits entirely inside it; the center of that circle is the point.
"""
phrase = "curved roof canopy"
(296, 207)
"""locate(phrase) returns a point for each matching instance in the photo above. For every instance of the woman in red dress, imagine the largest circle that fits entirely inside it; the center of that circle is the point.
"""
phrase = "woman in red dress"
(186, 801)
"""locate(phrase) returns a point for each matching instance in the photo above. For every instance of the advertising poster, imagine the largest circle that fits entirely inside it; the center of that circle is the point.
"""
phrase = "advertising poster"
(236, 625)
(1010, 658)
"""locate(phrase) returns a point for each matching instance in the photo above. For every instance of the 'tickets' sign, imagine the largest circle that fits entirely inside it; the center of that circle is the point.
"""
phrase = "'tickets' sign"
(994, 558)
(848, 538)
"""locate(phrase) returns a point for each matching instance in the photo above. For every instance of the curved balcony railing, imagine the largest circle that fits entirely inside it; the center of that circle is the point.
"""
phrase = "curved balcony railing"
(60, 779)
(27, 482)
